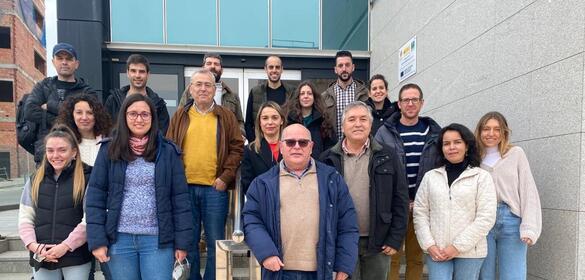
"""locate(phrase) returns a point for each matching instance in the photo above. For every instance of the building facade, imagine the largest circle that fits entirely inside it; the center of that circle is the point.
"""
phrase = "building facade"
(524, 59)
(22, 64)
(174, 35)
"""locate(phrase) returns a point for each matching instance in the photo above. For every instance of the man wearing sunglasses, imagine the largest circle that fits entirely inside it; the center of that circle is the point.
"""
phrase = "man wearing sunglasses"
(377, 186)
(299, 219)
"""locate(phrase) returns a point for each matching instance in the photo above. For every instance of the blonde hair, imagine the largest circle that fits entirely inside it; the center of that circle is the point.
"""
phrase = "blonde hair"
(259, 135)
(504, 145)
(61, 131)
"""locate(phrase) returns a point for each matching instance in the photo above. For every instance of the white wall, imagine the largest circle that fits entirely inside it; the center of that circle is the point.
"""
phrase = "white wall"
(524, 58)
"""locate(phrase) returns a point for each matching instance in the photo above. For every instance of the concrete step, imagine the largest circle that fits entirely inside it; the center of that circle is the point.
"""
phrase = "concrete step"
(14, 262)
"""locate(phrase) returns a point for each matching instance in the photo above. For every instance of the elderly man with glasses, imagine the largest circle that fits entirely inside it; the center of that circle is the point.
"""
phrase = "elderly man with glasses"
(212, 145)
(299, 219)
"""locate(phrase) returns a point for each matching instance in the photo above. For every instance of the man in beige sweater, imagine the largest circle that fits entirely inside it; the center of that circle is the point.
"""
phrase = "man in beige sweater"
(299, 219)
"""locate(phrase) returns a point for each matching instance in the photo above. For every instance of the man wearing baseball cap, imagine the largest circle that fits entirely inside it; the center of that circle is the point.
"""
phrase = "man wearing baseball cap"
(43, 103)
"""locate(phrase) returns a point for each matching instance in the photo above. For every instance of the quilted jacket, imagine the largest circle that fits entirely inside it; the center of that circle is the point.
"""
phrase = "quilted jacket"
(460, 215)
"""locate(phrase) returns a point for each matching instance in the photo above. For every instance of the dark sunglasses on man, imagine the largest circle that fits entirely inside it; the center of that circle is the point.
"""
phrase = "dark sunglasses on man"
(291, 143)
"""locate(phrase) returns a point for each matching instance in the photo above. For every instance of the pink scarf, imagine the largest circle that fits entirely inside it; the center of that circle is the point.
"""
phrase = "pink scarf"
(138, 145)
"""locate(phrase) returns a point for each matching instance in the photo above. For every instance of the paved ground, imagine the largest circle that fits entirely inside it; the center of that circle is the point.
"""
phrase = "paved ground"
(8, 223)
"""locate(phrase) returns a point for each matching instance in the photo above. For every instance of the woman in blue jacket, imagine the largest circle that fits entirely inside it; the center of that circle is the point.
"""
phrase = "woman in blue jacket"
(138, 207)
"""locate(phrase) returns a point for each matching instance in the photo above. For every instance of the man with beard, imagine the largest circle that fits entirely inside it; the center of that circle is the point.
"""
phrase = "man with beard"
(138, 71)
(42, 105)
(271, 90)
(343, 91)
(224, 96)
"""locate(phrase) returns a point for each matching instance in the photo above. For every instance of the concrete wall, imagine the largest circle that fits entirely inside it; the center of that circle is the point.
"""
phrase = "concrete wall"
(523, 58)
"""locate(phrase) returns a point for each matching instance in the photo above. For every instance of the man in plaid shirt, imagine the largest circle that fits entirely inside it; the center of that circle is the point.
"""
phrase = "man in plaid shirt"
(343, 91)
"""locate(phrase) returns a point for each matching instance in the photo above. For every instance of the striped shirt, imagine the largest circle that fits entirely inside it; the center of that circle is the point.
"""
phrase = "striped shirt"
(413, 139)
(343, 97)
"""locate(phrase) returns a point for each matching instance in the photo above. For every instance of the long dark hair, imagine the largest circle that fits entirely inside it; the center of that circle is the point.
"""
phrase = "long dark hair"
(293, 108)
(120, 148)
(472, 155)
(103, 121)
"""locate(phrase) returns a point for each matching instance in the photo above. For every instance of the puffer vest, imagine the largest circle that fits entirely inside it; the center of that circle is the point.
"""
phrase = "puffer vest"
(57, 216)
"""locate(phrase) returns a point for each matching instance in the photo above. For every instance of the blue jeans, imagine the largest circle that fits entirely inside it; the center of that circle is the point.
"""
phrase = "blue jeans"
(210, 207)
(299, 275)
(135, 257)
(506, 251)
(455, 269)
(70, 272)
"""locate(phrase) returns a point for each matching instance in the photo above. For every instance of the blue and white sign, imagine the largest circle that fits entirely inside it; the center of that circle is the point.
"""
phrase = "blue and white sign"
(407, 60)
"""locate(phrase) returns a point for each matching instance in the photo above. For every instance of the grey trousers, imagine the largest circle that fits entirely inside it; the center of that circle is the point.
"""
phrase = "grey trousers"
(370, 267)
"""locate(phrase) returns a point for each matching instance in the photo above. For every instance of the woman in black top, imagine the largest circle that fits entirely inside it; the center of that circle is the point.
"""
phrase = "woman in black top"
(306, 108)
(381, 106)
(263, 153)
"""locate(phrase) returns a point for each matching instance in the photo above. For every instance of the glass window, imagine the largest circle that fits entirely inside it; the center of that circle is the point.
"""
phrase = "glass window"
(137, 21)
(165, 85)
(191, 22)
(295, 24)
(244, 23)
(345, 25)
(6, 91)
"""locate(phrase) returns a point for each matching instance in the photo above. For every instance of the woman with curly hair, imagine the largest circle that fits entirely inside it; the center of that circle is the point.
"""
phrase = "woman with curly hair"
(90, 122)
(306, 108)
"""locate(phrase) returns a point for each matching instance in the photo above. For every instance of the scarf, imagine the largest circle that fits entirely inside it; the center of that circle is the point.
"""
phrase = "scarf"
(138, 145)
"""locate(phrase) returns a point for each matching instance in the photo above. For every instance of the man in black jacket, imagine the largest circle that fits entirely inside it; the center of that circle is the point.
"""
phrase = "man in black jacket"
(413, 138)
(42, 106)
(377, 185)
(138, 71)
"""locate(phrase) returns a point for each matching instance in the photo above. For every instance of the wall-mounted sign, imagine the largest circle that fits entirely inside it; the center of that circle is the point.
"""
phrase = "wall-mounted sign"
(407, 60)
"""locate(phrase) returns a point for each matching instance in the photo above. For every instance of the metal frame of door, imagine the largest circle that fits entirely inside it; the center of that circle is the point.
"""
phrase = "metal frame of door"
(244, 75)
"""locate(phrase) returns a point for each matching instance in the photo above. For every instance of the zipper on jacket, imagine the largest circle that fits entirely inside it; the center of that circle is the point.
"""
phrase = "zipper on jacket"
(54, 212)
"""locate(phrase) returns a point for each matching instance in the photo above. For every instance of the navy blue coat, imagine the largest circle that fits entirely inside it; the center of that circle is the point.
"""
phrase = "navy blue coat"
(105, 193)
(337, 249)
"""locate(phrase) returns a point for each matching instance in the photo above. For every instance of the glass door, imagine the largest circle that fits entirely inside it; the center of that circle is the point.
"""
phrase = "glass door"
(241, 80)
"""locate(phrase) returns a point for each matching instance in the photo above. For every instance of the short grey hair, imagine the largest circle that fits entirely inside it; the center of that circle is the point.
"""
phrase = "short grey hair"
(204, 72)
(357, 104)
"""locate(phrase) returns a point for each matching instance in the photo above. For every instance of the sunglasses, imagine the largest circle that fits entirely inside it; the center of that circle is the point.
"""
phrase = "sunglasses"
(291, 143)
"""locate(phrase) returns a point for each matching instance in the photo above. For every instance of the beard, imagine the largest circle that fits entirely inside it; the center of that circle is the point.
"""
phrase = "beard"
(216, 74)
(344, 77)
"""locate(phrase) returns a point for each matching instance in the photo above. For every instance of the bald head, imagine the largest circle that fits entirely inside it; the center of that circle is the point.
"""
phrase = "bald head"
(297, 130)
(296, 147)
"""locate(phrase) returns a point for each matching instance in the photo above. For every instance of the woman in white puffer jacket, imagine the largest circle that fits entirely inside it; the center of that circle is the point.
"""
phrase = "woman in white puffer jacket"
(455, 208)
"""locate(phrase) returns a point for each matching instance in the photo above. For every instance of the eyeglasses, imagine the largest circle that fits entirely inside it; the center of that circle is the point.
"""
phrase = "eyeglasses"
(291, 143)
(202, 85)
(414, 101)
(134, 115)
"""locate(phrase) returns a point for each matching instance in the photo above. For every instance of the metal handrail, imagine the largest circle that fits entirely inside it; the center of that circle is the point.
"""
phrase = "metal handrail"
(238, 234)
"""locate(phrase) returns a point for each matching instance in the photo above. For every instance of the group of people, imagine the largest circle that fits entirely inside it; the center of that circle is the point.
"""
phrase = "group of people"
(337, 184)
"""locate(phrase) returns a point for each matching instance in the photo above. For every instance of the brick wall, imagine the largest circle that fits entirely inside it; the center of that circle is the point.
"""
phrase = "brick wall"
(20, 69)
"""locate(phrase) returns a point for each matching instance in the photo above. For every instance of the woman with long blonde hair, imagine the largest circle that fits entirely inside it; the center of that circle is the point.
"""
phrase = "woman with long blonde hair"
(263, 153)
(51, 216)
(519, 218)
